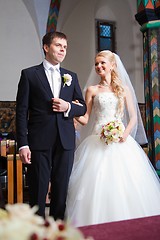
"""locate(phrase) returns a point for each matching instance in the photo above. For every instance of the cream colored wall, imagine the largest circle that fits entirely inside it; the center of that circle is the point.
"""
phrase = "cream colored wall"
(80, 28)
(23, 23)
(79, 24)
(19, 45)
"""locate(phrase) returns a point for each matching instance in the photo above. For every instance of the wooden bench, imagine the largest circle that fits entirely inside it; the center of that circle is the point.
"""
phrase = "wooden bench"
(14, 171)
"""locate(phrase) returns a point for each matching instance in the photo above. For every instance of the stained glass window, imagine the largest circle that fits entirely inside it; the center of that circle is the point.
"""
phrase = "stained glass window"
(105, 35)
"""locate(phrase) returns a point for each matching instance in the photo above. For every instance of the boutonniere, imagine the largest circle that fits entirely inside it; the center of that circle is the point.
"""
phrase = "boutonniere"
(67, 79)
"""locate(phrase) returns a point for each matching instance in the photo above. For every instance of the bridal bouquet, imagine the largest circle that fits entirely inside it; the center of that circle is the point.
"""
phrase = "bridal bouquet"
(19, 222)
(112, 132)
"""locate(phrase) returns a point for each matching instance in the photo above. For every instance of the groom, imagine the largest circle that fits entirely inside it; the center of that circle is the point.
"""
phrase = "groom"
(45, 128)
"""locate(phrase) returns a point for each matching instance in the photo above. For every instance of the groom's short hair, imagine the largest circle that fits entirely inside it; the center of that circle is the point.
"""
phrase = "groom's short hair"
(48, 37)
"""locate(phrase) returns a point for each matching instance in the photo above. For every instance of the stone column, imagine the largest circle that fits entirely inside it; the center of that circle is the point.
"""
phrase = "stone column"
(148, 17)
(53, 15)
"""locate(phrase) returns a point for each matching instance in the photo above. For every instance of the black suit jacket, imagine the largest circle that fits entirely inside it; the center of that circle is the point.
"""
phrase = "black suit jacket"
(36, 123)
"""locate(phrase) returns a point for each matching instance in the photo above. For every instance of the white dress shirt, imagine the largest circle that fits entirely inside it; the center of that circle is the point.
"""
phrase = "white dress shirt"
(53, 76)
(54, 79)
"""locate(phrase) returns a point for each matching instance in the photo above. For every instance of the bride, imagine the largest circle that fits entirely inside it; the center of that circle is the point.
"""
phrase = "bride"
(112, 178)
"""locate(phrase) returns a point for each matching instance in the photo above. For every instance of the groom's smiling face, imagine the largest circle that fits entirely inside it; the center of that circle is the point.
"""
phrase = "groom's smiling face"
(56, 52)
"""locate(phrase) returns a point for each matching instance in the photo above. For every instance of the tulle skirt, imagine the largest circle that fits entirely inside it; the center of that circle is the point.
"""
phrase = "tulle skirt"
(111, 183)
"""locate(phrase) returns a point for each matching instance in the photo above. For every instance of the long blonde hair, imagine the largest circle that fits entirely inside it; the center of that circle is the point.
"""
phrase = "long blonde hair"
(116, 82)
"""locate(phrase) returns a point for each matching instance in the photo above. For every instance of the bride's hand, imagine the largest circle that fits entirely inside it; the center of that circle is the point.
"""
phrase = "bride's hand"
(124, 137)
(77, 102)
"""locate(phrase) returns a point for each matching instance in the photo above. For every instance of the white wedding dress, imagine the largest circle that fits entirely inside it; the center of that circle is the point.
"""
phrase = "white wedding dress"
(110, 182)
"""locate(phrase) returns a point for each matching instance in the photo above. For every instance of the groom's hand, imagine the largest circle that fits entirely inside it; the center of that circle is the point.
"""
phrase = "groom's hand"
(25, 155)
(59, 105)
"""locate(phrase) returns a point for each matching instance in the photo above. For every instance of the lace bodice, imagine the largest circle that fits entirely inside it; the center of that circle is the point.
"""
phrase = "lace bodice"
(105, 109)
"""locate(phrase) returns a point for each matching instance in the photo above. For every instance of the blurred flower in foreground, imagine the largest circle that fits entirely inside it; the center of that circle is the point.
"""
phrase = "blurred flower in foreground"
(19, 222)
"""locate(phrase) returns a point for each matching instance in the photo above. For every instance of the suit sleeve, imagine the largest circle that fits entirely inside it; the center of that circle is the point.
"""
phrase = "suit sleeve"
(77, 110)
(22, 110)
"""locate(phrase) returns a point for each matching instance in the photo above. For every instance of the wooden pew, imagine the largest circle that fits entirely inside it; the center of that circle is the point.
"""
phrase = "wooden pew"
(19, 173)
(8, 151)
(10, 174)
(14, 171)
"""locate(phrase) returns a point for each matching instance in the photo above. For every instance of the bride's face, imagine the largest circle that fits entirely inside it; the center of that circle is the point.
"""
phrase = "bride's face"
(102, 66)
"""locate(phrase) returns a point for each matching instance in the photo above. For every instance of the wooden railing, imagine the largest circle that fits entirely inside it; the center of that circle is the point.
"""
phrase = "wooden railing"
(14, 171)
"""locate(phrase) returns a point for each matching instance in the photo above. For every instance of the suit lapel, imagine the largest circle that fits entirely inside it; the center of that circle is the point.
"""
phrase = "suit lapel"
(62, 72)
(43, 79)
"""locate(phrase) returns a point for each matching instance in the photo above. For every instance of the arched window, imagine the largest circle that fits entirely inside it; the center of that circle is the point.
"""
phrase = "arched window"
(105, 35)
